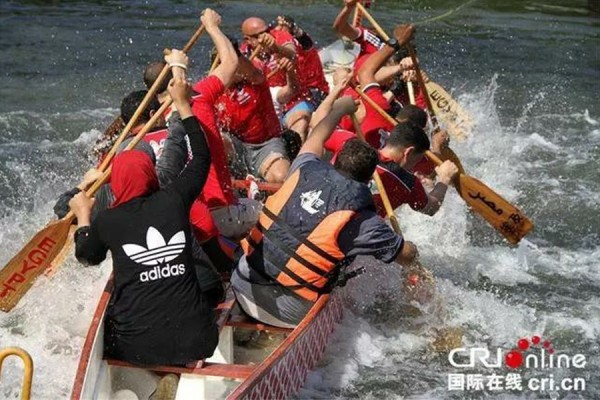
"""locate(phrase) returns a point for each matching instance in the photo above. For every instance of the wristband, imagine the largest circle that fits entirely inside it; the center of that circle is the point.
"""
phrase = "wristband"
(180, 65)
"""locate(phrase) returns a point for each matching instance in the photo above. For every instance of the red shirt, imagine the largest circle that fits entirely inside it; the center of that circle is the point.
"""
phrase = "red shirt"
(401, 186)
(310, 70)
(247, 112)
(369, 43)
(375, 127)
(217, 190)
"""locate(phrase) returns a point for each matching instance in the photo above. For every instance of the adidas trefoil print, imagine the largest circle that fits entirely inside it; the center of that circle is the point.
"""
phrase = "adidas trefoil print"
(158, 253)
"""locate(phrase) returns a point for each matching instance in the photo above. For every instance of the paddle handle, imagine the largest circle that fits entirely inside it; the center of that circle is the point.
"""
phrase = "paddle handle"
(382, 192)
(214, 64)
(421, 82)
(255, 52)
(411, 92)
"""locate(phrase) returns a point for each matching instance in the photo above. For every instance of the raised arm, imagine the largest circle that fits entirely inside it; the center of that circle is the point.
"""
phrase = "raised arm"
(319, 135)
(191, 181)
(341, 24)
(229, 59)
(327, 104)
(367, 72)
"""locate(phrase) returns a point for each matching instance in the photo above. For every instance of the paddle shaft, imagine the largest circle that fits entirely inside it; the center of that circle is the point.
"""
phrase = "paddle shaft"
(382, 192)
(421, 82)
(372, 21)
(411, 93)
(146, 101)
(214, 64)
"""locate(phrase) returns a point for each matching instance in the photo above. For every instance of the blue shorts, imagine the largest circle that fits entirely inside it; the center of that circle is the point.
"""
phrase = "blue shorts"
(304, 105)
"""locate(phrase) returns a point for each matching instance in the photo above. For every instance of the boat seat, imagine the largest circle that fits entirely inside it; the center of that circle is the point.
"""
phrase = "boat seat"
(233, 371)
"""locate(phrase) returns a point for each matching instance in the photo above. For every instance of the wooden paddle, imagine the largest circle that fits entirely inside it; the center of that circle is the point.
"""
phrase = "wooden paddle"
(458, 122)
(147, 99)
(411, 93)
(382, 192)
(20, 272)
(503, 216)
(215, 63)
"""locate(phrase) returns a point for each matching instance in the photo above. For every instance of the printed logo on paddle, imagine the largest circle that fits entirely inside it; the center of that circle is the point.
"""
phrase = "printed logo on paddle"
(532, 366)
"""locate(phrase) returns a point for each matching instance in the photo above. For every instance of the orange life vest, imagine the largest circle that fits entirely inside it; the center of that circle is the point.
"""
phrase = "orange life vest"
(295, 242)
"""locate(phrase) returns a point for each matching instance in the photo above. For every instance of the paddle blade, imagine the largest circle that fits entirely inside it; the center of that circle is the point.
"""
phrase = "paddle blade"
(62, 255)
(503, 216)
(21, 271)
(456, 120)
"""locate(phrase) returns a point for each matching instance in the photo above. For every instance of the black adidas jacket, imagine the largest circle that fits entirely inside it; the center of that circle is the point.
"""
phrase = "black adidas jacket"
(157, 314)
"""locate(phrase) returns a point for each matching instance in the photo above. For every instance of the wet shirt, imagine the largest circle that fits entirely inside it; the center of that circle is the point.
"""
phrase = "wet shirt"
(369, 43)
(375, 127)
(247, 112)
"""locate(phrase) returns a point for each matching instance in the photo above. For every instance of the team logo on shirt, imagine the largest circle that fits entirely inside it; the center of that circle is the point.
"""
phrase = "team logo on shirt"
(158, 251)
(242, 96)
(311, 201)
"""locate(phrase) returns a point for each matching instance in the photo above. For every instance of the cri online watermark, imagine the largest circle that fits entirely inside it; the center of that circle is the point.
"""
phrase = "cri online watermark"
(530, 354)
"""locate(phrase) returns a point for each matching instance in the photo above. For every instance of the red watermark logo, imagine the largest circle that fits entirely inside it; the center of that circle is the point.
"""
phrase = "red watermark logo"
(530, 354)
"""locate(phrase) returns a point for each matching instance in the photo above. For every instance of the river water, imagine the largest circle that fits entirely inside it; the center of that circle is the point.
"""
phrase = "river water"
(527, 70)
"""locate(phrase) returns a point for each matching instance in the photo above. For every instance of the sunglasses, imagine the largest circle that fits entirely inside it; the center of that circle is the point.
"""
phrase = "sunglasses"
(256, 35)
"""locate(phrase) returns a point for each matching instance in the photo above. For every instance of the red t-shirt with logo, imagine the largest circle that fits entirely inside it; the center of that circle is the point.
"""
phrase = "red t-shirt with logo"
(217, 190)
(247, 111)
(369, 43)
(401, 186)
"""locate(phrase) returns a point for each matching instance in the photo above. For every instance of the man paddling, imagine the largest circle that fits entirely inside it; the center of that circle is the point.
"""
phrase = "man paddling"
(246, 112)
(320, 220)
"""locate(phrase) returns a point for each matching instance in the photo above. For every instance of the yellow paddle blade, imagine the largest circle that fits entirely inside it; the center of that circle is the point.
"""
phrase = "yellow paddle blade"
(21, 271)
(503, 216)
(457, 121)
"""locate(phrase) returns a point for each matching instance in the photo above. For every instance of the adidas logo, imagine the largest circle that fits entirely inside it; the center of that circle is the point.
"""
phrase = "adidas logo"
(158, 251)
